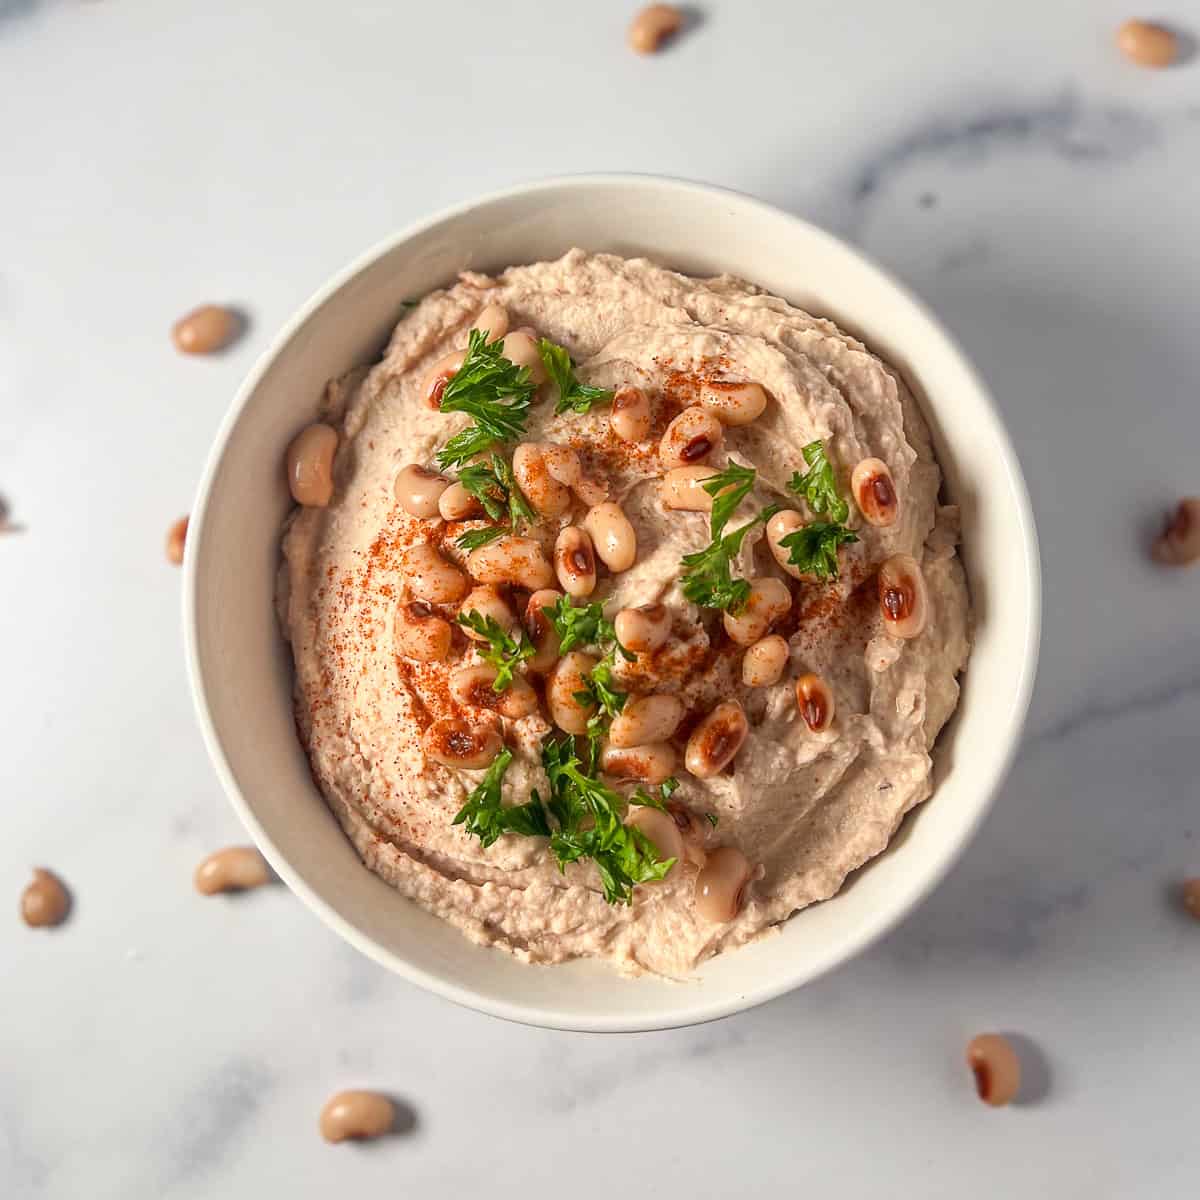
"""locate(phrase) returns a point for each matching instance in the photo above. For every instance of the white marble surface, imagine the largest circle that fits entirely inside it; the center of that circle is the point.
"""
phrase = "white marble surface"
(1039, 192)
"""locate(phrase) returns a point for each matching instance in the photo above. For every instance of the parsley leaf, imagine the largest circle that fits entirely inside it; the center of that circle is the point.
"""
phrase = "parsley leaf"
(474, 538)
(572, 394)
(503, 652)
(599, 690)
(646, 800)
(583, 626)
(814, 547)
(728, 489)
(486, 816)
(590, 827)
(712, 819)
(493, 485)
(493, 390)
(707, 579)
(818, 486)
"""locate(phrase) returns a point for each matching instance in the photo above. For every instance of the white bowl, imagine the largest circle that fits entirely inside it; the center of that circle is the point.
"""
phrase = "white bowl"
(240, 667)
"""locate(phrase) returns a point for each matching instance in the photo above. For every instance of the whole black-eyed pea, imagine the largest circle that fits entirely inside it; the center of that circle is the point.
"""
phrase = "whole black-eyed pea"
(630, 414)
(612, 535)
(874, 492)
(693, 828)
(548, 495)
(487, 601)
(310, 465)
(457, 742)
(563, 685)
(1179, 543)
(734, 403)
(646, 719)
(206, 329)
(521, 347)
(45, 902)
(418, 490)
(721, 885)
(653, 763)
(457, 504)
(432, 578)
(690, 438)
(814, 699)
(564, 464)
(996, 1068)
(716, 740)
(474, 687)
(440, 374)
(575, 562)
(492, 320)
(540, 630)
(903, 600)
(661, 830)
(356, 1115)
(683, 489)
(764, 662)
(653, 26)
(1147, 44)
(233, 869)
(517, 561)
(778, 527)
(643, 629)
(420, 633)
(769, 599)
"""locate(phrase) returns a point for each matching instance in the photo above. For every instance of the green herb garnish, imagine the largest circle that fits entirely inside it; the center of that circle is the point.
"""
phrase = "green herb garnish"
(474, 538)
(707, 577)
(486, 816)
(585, 625)
(818, 486)
(493, 390)
(814, 547)
(728, 488)
(503, 652)
(572, 394)
(493, 485)
(712, 819)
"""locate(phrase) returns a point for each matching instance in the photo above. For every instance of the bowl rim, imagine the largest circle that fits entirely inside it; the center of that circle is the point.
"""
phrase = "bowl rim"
(870, 930)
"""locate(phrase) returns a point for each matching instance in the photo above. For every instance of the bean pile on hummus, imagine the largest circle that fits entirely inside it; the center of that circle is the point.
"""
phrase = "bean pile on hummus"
(623, 609)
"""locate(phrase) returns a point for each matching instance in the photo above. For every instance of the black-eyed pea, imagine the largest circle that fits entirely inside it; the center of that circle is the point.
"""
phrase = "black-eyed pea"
(440, 374)
(457, 742)
(233, 869)
(733, 403)
(521, 347)
(646, 719)
(1179, 543)
(550, 497)
(1147, 44)
(487, 601)
(814, 699)
(457, 504)
(653, 26)
(874, 492)
(564, 685)
(660, 829)
(778, 527)
(540, 630)
(310, 465)
(644, 628)
(564, 464)
(693, 828)
(996, 1068)
(630, 414)
(419, 490)
(764, 662)
(420, 633)
(612, 535)
(721, 885)
(690, 438)
(356, 1115)
(45, 901)
(517, 561)
(716, 740)
(903, 600)
(206, 329)
(492, 320)
(575, 562)
(432, 578)
(474, 687)
(653, 763)
(683, 489)
(769, 600)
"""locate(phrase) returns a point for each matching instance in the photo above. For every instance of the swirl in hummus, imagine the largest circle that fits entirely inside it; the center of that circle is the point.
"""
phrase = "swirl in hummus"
(796, 711)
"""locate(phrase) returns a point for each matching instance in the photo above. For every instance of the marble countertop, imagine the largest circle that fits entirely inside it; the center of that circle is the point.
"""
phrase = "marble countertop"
(1038, 191)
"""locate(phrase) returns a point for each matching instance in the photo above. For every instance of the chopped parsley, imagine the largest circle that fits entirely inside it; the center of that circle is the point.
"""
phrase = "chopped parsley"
(707, 578)
(502, 651)
(493, 485)
(818, 487)
(728, 488)
(486, 816)
(814, 547)
(474, 538)
(492, 390)
(572, 395)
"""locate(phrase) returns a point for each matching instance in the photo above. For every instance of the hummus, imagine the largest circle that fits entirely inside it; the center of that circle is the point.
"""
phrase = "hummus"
(805, 808)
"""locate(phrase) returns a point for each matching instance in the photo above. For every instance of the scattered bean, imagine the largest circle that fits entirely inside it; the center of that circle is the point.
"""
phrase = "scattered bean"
(176, 538)
(646, 719)
(206, 329)
(431, 577)
(630, 415)
(902, 597)
(814, 699)
(419, 633)
(564, 464)
(996, 1068)
(1147, 44)
(721, 885)
(487, 602)
(653, 764)
(310, 465)
(457, 742)
(493, 320)
(653, 26)
(568, 678)
(234, 869)
(356, 1115)
(769, 600)
(521, 347)
(660, 829)
(1179, 543)
(681, 489)
(575, 562)
(874, 492)
(541, 631)
(764, 661)
(778, 527)
(612, 535)
(734, 403)
(550, 497)
(644, 628)
(694, 830)
(45, 901)
(439, 375)
(690, 438)
(716, 740)
(472, 687)
(457, 504)
(419, 490)
(514, 560)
